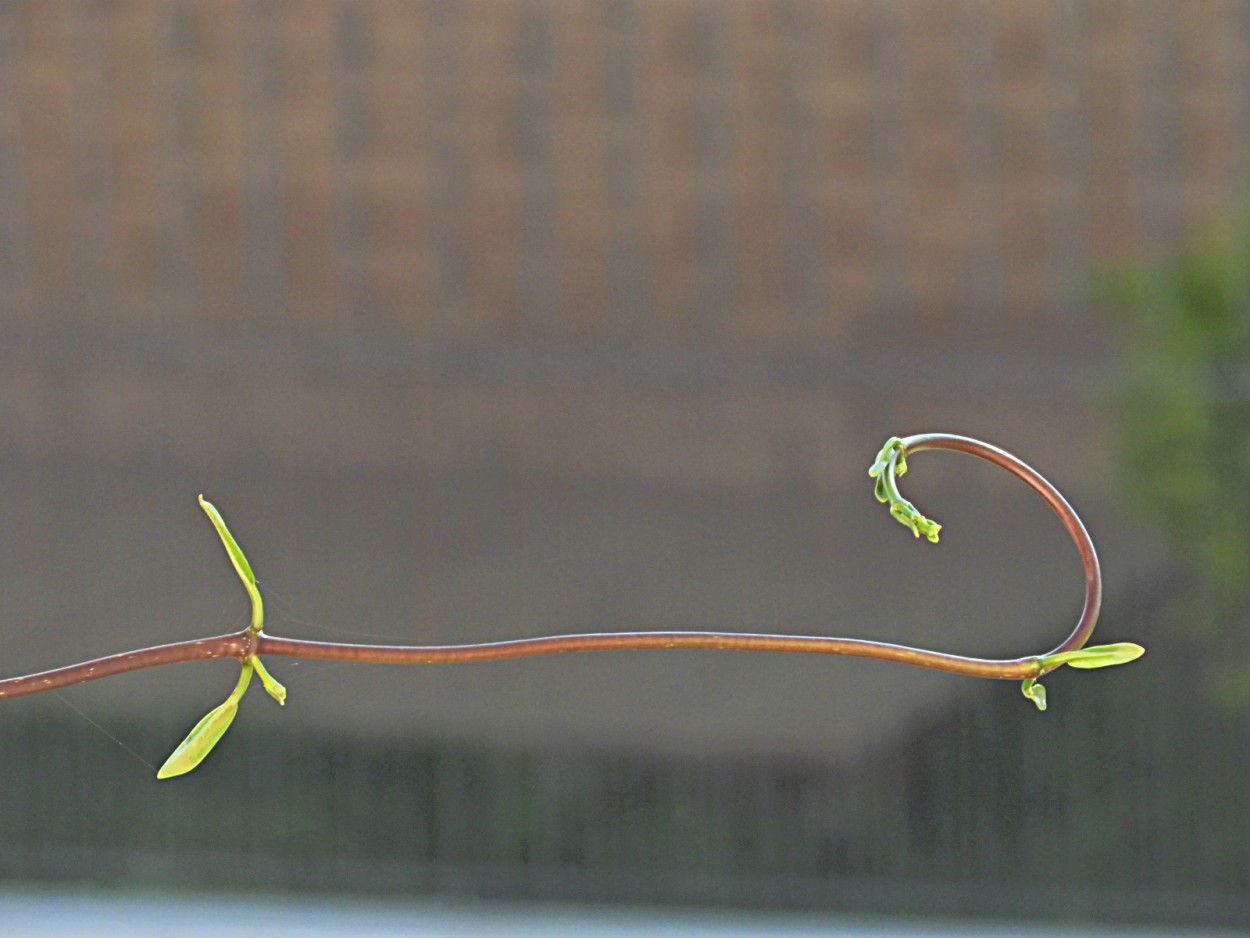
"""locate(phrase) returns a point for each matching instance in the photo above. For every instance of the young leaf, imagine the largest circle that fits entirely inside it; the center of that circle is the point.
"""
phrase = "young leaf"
(1096, 656)
(883, 458)
(205, 734)
(241, 566)
(272, 687)
(905, 512)
(1035, 692)
(901, 509)
(200, 741)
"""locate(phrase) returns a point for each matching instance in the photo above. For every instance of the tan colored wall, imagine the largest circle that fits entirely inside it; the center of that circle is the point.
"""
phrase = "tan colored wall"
(279, 228)
(646, 284)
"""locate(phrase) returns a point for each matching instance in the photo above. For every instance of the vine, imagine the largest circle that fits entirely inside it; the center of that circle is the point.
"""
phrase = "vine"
(891, 462)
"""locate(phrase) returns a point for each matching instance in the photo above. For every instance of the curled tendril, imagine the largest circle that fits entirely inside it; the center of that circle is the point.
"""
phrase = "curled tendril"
(891, 461)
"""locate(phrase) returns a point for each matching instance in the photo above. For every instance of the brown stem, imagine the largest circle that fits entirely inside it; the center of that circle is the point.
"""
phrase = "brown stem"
(235, 645)
(245, 643)
(1051, 495)
(630, 641)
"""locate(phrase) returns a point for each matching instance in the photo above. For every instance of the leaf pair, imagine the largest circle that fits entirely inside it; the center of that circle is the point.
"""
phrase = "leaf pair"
(1096, 656)
(208, 732)
(879, 465)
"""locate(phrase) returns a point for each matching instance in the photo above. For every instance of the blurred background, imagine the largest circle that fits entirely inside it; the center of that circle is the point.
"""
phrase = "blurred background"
(485, 319)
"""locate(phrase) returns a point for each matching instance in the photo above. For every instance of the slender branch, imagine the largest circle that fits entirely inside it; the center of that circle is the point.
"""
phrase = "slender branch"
(253, 642)
(235, 645)
(632, 641)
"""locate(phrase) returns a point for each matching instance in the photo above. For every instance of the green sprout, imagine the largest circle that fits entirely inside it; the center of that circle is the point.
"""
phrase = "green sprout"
(1095, 656)
(241, 566)
(1034, 691)
(208, 732)
(272, 687)
(892, 462)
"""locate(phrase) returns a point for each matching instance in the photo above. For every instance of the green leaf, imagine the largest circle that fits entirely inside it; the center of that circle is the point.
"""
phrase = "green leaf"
(274, 689)
(241, 566)
(201, 740)
(1096, 656)
(905, 513)
(1035, 692)
(205, 734)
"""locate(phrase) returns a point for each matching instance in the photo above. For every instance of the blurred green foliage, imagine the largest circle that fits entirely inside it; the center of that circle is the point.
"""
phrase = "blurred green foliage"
(1185, 406)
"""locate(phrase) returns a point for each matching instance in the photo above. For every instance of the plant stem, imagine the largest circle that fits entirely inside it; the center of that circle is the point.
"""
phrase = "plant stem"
(234, 645)
(633, 641)
(248, 642)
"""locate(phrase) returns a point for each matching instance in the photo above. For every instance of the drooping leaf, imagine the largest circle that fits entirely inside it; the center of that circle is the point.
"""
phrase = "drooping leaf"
(200, 741)
(1035, 692)
(272, 686)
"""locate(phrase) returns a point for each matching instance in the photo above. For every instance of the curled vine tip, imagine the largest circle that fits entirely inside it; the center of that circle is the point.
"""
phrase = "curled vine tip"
(200, 741)
(891, 462)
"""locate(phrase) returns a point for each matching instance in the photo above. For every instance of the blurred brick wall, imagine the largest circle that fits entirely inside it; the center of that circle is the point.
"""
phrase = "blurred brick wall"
(412, 233)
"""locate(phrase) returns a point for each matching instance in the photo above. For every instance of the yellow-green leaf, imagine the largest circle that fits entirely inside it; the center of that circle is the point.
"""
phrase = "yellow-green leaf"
(1035, 692)
(272, 686)
(1096, 656)
(200, 741)
(883, 458)
(237, 558)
